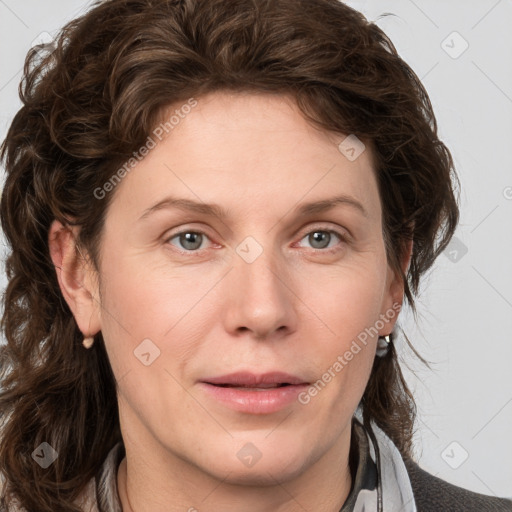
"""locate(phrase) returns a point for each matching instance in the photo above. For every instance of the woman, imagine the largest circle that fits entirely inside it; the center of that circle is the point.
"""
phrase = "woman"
(216, 210)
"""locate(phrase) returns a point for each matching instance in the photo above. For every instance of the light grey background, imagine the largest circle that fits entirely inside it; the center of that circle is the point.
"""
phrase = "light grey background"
(465, 309)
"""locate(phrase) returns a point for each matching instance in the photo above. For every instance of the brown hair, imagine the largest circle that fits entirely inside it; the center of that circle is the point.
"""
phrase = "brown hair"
(92, 100)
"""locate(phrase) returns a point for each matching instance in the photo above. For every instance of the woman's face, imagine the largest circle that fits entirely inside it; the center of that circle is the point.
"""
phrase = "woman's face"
(267, 286)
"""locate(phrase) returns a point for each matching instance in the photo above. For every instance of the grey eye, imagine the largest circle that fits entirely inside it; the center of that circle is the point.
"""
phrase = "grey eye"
(319, 239)
(189, 240)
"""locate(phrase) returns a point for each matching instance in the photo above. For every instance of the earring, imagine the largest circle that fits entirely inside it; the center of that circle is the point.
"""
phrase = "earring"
(88, 341)
(383, 345)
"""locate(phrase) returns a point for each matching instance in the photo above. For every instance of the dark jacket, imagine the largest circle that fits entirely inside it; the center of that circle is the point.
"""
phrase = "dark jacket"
(435, 495)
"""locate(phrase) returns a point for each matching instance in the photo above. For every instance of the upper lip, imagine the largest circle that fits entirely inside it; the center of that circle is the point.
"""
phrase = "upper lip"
(249, 379)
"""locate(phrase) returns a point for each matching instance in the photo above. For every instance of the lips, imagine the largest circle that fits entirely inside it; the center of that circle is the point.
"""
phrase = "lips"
(255, 381)
(251, 393)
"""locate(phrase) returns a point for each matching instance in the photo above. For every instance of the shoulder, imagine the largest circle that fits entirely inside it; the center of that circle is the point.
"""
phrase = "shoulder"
(433, 494)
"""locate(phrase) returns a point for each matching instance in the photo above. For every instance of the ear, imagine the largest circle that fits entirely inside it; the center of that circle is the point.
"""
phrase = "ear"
(77, 278)
(394, 295)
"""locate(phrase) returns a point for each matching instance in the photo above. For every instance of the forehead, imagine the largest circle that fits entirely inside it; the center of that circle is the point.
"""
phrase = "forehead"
(231, 147)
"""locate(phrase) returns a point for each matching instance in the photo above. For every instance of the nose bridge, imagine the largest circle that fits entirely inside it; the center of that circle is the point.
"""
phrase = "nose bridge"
(257, 266)
(261, 300)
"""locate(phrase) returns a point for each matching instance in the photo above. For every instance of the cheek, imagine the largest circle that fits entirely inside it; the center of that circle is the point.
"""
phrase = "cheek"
(349, 299)
(347, 303)
(141, 301)
(139, 297)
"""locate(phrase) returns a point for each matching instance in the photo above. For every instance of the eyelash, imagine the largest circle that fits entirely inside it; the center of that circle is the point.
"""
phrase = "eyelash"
(329, 250)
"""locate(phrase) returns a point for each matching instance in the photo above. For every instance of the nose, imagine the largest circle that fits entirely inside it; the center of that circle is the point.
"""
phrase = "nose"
(260, 297)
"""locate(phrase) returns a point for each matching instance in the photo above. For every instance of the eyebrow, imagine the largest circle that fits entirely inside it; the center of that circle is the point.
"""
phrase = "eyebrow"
(215, 210)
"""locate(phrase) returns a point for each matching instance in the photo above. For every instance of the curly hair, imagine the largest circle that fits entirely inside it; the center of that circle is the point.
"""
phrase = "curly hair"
(92, 98)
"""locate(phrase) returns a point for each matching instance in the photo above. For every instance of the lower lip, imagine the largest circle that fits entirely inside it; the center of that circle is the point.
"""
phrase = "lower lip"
(254, 401)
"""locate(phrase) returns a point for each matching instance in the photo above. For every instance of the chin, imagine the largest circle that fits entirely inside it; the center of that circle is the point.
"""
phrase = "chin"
(257, 463)
(268, 475)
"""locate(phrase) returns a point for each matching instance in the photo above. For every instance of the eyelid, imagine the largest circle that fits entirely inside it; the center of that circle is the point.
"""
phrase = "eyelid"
(169, 236)
(342, 233)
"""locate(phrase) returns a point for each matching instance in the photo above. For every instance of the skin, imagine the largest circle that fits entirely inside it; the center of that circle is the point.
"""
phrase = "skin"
(296, 308)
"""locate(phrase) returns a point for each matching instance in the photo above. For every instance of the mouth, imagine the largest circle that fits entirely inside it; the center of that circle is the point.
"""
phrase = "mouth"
(249, 380)
(253, 388)
(252, 393)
